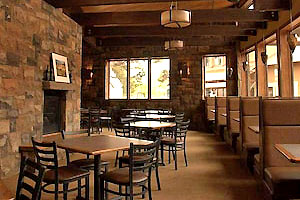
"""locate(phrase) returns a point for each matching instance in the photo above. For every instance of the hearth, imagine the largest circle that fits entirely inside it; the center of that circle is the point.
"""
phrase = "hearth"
(54, 111)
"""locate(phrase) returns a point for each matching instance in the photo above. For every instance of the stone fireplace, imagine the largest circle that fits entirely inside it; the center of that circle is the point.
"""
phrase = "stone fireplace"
(54, 112)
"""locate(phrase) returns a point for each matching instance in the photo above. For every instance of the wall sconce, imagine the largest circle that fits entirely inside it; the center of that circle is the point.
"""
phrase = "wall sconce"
(184, 69)
(264, 57)
(229, 72)
(245, 64)
(7, 13)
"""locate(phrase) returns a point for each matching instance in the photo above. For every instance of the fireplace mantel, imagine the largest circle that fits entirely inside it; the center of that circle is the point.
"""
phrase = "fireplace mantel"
(52, 85)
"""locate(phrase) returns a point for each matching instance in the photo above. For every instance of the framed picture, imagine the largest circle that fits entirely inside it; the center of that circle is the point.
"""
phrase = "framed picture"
(60, 68)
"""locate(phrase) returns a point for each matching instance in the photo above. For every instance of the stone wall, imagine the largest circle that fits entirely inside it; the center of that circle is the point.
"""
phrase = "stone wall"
(29, 31)
(186, 93)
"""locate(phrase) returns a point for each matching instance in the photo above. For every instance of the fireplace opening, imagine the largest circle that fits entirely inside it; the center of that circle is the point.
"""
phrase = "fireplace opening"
(54, 111)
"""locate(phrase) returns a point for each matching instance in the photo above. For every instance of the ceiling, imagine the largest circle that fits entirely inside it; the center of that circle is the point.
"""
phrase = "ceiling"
(137, 22)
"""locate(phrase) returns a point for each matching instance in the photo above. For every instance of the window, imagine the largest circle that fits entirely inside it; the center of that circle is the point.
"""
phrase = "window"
(272, 69)
(160, 84)
(116, 73)
(138, 79)
(130, 79)
(215, 76)
(251, 7)
(251, 74)
(296, 67)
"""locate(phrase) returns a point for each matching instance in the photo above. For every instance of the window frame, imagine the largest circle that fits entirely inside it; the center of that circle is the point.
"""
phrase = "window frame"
(251, 50)
(204, 74)
(106, 82)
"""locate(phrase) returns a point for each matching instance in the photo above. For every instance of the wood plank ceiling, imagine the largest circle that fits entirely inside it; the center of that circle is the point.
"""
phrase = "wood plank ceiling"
(137, 22)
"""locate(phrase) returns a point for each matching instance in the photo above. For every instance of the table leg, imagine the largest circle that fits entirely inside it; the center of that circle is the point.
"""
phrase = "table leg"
(97, 194)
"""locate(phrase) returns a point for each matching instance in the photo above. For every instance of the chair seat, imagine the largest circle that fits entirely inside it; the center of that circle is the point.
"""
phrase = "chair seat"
(283, 181)
(65, 173)
(170, 141)
(86, 163)
(125, 159)
(121, 176)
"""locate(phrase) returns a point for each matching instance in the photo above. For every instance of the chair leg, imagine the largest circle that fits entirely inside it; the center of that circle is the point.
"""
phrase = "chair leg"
(175, 151)
(79, 188)
(185, 157)
(87, 188)
(102, 187)
(117, 157)
(65, 190)
(128, 195)
(56, 191)
(169, 154)
(162, 153)
(149, 186)
(157, 176)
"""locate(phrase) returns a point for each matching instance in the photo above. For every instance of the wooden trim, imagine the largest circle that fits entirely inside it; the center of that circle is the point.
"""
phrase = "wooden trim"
(287, 154)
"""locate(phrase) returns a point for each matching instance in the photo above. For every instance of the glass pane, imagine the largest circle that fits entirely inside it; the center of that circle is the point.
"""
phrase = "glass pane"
(271, 50)
(118, 79)
(296, 68)
(160, 84)
(215, 76)
(138, 79)
(251, 74)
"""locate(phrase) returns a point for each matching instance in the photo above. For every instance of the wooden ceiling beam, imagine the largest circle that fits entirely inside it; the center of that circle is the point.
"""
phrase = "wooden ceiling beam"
(157, 41)
(153, 17)
(159, 31)
(272, 5)
(81, 3)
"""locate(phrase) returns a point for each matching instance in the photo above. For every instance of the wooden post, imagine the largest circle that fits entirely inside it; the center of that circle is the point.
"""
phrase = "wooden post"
(261, 71)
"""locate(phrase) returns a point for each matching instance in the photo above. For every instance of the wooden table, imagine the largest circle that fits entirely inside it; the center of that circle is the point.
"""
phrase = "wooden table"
(152, 116)
(97, 145)
(290, 151)
(237, 119)
(255, 129)
(5, 194)
(152, 124)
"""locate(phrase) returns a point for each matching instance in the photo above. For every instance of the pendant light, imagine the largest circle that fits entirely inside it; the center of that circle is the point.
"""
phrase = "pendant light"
(175, 18)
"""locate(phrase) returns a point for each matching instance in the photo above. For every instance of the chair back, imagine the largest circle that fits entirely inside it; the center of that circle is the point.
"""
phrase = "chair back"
(210, 105)
(30, 180)
(279, 124)
(121, 130)
(148, 152)
(46, 154)
(179, 117)
(181, 130)
(249, 116)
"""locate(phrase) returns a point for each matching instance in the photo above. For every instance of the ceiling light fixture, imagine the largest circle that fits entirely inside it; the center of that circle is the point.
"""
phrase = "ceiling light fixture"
(173, 44)
(175, 18)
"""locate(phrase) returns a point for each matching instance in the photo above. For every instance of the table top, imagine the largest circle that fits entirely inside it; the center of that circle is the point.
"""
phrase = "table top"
(290, 151)
(152, 116)
(152, 124)
(95, 145)
(237, 119)
(5, 194)
(255, 129)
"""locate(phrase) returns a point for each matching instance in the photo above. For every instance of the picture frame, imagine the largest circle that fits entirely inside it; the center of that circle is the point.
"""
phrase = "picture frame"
(60, 68)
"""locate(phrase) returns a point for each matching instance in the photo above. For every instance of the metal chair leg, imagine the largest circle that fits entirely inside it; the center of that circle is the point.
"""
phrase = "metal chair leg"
(65, 190)
(157, 177)
(79, 188)
(87, 187)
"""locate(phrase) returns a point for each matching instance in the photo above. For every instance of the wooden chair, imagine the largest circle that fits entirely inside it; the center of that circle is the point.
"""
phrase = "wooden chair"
(30, 180)
(84, 163)
(176, 141)
(94, 120)
(249, 116)
(121, 131)
(46, 154)
(105, 116)
(279, 124)
(138, 174)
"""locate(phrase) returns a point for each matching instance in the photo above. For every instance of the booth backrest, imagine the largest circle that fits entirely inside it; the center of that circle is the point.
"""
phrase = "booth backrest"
(233, 106)
(210, 105)
(249, 116)
(279, 124)
(221, 109)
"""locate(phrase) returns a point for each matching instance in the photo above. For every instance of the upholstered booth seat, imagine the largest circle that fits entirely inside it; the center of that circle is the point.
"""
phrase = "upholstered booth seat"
(257, 166)
(251, 146)
(283, 181)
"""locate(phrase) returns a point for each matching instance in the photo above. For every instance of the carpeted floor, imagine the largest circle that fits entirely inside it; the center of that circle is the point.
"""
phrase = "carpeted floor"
(214, 173)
